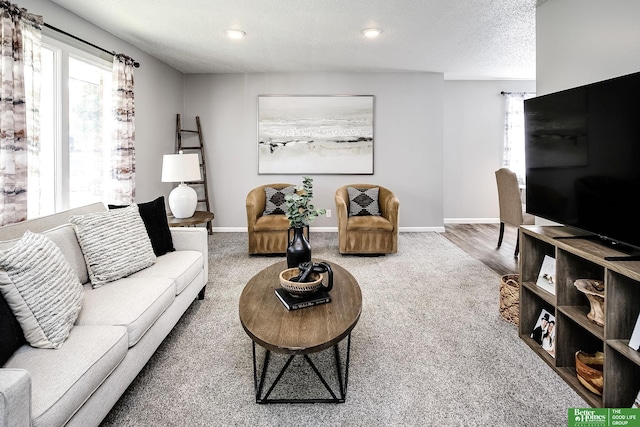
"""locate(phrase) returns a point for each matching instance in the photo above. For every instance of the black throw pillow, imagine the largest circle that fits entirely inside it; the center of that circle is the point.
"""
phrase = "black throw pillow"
(11, 335)
(154, 217)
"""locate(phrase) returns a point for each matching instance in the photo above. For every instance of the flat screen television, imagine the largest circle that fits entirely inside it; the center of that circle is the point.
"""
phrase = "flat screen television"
(582, 151)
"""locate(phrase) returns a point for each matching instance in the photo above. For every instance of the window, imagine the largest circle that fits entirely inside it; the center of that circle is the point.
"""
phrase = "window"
(75, 129)
(89, 132)
(514, 157)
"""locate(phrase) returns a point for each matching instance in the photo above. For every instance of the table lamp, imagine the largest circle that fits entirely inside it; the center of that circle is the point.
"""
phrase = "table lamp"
(180, 168)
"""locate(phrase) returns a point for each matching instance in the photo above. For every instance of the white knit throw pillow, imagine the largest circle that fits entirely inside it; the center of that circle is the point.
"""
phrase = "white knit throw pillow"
(115, 243)
(41, 288)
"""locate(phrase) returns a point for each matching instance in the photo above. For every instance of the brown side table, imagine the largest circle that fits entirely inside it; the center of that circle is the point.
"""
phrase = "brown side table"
(299, 332)
(199, 217)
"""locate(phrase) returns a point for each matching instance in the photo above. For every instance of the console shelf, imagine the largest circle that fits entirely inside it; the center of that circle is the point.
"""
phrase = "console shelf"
(579, 258)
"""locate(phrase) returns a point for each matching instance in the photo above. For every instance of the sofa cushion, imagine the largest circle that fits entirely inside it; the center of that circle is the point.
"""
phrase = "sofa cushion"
(272, 223)
(115, 243)
(135, 303)
(65, 238)
(369, 223)
(11, 335)
(154, 217)
(62, 380)
(275, 203)
(181, 266)
(41, 288)
(363, 201)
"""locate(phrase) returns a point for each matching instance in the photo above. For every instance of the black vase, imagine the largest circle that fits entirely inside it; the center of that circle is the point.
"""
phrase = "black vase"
(299, 249)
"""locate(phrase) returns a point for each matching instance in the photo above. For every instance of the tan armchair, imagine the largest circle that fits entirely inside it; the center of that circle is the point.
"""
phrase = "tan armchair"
(267, 233)
(511, 210)
(367, 234)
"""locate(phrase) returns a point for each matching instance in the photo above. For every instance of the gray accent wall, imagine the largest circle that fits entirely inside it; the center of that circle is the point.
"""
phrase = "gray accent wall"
(408, 139)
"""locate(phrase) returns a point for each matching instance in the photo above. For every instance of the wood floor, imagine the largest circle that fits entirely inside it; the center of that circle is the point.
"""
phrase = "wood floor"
(480, 241)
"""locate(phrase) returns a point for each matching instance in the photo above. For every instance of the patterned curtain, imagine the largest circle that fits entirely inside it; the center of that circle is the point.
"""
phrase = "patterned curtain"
(19, 103)
(513, 157)
(123, 155)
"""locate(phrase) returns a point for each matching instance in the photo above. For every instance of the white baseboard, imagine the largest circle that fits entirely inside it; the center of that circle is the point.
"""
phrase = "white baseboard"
(334, 229)
(325, 229)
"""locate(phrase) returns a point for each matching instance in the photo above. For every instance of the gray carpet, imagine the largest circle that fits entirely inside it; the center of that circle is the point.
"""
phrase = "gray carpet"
(430, 349)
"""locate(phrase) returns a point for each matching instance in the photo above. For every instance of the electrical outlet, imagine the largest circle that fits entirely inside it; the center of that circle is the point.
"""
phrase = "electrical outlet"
(328, 213)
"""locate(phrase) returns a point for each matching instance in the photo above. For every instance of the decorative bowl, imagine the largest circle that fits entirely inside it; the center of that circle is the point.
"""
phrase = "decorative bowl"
(298, 289)
(589, 370)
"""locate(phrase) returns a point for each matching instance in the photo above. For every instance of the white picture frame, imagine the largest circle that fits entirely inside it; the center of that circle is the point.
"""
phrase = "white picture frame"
(634, 341)
(316, 134)
(544, 332)
(547, 276)
(636, 401)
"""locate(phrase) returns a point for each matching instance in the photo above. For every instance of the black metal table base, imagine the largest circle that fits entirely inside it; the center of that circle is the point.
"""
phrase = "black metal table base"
(337, 396)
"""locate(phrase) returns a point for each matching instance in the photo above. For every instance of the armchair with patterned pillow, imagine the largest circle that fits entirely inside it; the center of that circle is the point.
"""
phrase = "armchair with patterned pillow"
(267, 225)
(367, 219)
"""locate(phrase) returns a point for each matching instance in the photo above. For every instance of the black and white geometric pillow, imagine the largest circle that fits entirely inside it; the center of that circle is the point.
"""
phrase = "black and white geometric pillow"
(363, 201)
(275, 204)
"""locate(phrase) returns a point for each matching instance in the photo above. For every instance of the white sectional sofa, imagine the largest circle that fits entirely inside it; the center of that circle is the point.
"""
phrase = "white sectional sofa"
(119, 327)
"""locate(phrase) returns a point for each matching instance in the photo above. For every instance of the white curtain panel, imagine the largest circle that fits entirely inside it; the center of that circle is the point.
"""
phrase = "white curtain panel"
(123, 156)
(20, 67)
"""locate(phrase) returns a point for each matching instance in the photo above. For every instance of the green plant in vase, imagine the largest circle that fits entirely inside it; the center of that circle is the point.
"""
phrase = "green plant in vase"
(300, 210)
(301, 213)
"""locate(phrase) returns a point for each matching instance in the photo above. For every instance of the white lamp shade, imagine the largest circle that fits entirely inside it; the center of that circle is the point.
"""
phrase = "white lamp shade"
(180, 168)
(183, 201)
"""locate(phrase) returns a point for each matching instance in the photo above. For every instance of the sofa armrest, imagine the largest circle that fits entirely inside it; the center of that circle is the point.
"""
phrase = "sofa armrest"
(192, 239)
(15, 398)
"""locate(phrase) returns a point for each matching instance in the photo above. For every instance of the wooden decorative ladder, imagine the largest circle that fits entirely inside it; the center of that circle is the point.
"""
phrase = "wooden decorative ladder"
(203, 167)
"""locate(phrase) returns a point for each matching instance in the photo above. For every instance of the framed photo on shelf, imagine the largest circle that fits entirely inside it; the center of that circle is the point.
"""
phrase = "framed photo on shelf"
(634, 342)
(547, 276)
(544, 332)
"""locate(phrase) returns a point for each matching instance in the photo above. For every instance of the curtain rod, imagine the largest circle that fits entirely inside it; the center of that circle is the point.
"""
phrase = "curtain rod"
(517, 93)
(135, 63)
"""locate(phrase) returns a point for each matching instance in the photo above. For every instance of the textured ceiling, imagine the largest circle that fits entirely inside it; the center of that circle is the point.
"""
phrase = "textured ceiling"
(464, 39)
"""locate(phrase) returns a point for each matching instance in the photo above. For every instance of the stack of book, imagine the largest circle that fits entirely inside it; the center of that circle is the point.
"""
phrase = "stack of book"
(295, 303)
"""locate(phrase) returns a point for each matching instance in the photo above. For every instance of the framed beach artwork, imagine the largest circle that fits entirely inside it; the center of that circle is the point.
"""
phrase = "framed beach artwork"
(324, 134)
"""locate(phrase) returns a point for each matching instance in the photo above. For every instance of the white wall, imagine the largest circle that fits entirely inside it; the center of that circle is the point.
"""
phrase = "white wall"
(158, 96)
(584, 41)
(473, 145)
(408, 133)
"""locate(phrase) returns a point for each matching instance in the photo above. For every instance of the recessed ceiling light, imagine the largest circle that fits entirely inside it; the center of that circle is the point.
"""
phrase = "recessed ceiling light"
(371, 33)
(235, 34)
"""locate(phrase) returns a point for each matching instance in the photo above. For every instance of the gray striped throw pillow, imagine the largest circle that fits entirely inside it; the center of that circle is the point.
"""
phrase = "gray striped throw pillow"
(41, 288)
(114, 243)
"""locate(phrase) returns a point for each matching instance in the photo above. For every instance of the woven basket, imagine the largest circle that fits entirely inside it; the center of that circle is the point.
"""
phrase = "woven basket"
(509, 298)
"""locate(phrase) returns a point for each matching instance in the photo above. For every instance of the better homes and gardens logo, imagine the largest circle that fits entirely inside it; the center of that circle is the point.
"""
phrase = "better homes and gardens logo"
(604, 417)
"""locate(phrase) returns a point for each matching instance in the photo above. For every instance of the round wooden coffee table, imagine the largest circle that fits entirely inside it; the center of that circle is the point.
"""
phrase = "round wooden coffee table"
(299, 332)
